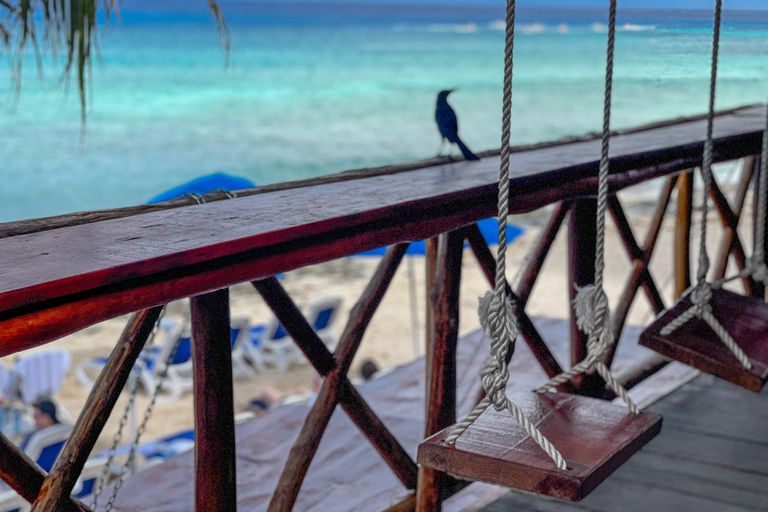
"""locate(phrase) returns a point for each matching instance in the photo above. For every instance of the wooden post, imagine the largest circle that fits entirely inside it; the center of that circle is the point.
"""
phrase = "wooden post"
(581, 272)
(441, 365)
(758, 288)
(683, 232)
(430, 268)
(215, 486)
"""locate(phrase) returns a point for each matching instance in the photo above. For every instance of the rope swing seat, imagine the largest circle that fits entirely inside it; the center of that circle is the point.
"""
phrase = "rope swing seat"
(547, 442)
(714, 330)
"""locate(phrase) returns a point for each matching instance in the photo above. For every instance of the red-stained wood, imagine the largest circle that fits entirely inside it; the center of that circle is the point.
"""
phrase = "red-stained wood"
(539, 253)
(305, 447)
(129, 264)
(530, 334)
(594, 436)
(682, 260)
(441, 365)
(215, 483)
(758, 288)
(28, 226)
(581, 272)
(641, 257)
(295, 324)
(731, 243)
(25, 477)
(695, 344)
(430, 269)
(106, 390)
(336, 387)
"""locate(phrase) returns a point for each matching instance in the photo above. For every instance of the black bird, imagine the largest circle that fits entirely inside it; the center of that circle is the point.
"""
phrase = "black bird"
(448, 126)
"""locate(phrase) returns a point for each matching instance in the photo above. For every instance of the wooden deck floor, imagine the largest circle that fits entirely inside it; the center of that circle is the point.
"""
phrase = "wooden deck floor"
(711, 455)
(345, 460)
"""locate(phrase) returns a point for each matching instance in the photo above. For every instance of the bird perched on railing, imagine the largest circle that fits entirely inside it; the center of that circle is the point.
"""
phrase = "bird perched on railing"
(448, 125)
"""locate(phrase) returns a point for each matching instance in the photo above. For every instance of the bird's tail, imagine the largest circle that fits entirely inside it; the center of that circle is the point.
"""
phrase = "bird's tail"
(468, 154)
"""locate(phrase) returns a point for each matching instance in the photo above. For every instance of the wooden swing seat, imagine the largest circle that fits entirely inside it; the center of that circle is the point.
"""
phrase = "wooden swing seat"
(695, 344)
(594, 436)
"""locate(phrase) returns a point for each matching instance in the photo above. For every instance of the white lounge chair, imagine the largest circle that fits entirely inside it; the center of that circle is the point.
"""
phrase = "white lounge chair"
(270, 344)
(12, 502)
(39, 374)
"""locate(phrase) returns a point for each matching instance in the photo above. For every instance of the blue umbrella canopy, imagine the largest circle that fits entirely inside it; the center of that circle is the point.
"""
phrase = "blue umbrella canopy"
(488, 227)
(203, 185)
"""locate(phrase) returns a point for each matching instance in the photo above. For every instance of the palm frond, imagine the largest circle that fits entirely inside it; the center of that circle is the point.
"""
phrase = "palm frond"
(72, 24)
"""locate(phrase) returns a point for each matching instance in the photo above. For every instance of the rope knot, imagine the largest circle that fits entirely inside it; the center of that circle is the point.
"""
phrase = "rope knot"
(700, 297)
(498, 322)
(593, 318)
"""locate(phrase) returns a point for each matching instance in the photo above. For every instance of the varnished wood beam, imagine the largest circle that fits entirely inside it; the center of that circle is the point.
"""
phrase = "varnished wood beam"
(581, 272)
(682, 257)
(540, 251)
(641, 275)
(25, 477)
(215, 482)
(441, 397)
(106, 390)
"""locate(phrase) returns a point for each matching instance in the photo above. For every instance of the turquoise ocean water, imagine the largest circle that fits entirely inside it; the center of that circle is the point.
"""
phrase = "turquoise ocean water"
(312, 92)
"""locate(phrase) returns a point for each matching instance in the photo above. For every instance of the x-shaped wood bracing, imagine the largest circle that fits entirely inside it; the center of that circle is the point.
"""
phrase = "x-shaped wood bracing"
(730, 242)
(336, 389)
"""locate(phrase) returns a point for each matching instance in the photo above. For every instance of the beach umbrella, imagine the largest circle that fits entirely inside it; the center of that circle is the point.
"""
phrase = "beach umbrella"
(203, 185)
(490, 231)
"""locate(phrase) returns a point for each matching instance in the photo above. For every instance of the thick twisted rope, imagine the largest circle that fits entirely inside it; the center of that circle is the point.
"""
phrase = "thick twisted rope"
(702, 291)
(591, 304)
(495, 309)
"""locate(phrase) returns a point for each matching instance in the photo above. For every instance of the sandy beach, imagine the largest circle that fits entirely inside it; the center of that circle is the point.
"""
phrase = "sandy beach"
(389, 340)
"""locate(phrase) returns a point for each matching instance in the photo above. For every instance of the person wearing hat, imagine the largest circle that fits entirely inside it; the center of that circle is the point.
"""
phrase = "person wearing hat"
(45, 416)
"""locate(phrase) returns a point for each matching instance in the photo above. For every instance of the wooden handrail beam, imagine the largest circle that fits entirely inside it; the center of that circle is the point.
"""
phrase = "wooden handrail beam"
(143, 261)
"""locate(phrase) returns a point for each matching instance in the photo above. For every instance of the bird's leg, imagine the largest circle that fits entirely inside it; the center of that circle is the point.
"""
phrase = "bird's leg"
(440, 147)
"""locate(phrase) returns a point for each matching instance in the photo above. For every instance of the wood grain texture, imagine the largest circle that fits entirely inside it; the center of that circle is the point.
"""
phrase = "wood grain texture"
(28, 226)
(133, 263)
(25, 477)
(641, 258)
(582, 237)
(594, 436)
(683, 232)
(106, 390)
(441, 363)
(695, 344)
(215, 483)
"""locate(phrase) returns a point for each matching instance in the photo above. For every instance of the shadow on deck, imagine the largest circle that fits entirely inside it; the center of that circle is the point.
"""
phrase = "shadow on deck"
(711, 456)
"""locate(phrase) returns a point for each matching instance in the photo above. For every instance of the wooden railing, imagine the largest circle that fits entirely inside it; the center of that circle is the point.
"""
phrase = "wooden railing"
(63, 274)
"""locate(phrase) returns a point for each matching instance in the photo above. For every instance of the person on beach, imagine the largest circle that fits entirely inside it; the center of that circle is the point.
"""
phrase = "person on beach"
(44, 416)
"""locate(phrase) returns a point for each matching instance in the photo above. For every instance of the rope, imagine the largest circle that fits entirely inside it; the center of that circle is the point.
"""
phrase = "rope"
(701, 294)
(591, 304)
(495, 308)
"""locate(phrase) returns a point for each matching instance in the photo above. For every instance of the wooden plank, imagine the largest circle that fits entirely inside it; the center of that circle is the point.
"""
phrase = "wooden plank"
(106, 390)
(215, 483)
(594, 436)
(683, 232)
(213, 245)
(441, 365)
(305, 447)
(25, 477)
(745, 318)
(28, 226)
(582, 241)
